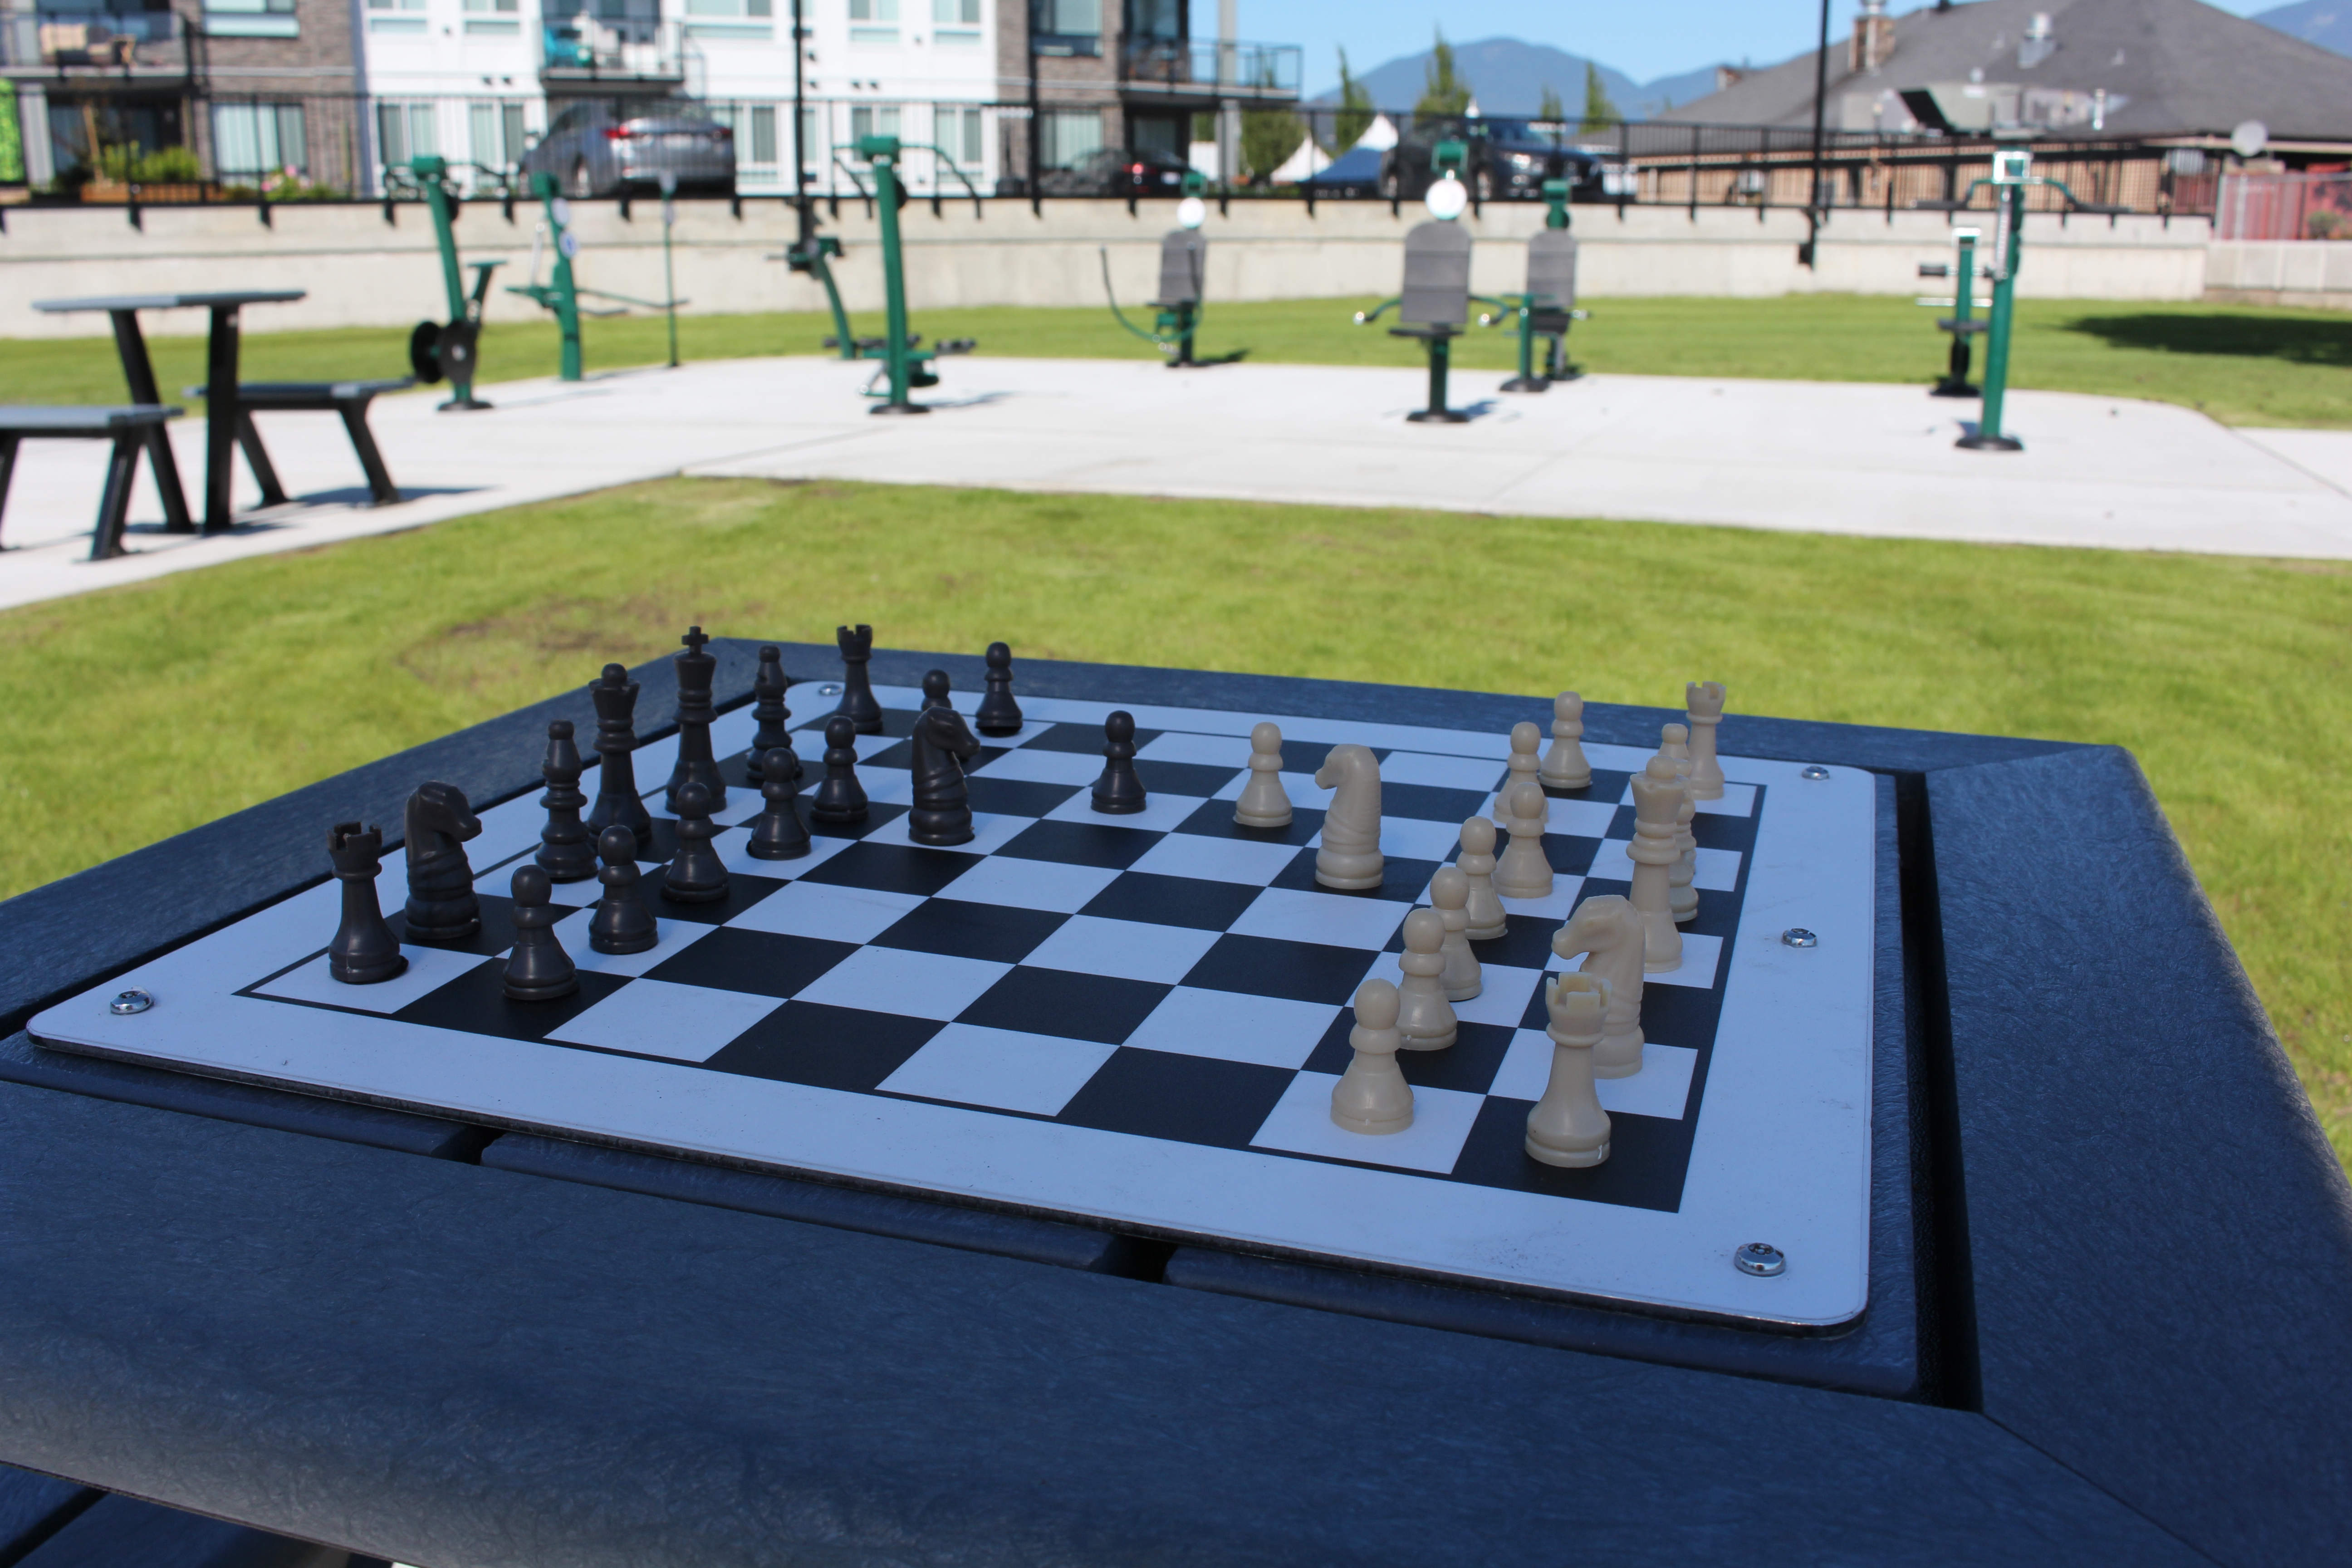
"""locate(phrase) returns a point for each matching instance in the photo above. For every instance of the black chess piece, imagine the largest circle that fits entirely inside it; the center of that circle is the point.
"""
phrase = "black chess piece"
(936, 686)
(775, 721)
(695, 763)
(695, 875)
(442, 907)
(539, 969)
(1120, 791)
(621, 923)
(942, 813)
(565, 851)
(857, 704)
(364, 951)
(998, 714)
(615, 697)
(779, 834)
(840, 798)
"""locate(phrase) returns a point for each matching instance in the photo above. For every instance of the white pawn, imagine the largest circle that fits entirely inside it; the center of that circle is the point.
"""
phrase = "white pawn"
(1564, 766)
(1673, 740)
(1425, 1017)
(1263, 802)
(1527, 767)
(1449, 890)
(1484, 910)
(1372, 1095)
(1568, 1126)
(1704, 699)
(1523, 872)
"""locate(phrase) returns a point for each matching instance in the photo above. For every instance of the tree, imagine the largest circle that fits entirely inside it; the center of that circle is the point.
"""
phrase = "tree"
(1270, 136)
(1443, 92)
(1600, 114)
(1551, 108)
(1355, 116)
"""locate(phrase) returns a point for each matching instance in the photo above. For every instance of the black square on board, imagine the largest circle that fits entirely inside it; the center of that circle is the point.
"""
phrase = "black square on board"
(742, 892)
(496, 936)
(1263, 966)
(764, 964)
(900, 756)
(476, 1003)
(1648, 1156)
(825, 1047)
(1081, 844)
(1526, 943)
(893, 868)
(1401, 880)
(1185, 778)
(1469, 1064)
(1429, 803)
(1570, 855)
(997, 933)
(877, 815)
(1216, 820)
(1085, 738)
(1098, 1007)
(1016, 797)
(1172, 900)
(1185, 1100)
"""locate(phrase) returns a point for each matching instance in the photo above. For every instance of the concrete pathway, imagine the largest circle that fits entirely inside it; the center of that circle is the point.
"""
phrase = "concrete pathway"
(1813, 457)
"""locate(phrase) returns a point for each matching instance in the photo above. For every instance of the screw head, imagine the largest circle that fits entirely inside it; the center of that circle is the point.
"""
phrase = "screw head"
(830, 689)
(128, 1001)
(1759, 1259)
(1798, 936)
(1815, 772)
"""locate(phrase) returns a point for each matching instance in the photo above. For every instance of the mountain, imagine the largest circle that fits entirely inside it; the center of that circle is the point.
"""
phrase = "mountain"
(2328, 23)
(1509, 77)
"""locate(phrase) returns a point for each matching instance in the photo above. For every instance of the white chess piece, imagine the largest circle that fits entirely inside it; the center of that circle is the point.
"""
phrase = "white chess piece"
(1372, 1095)
(1478, 862)
(1682, 897)
(1527, 767)
(1607, 930)
(1564, 766)
(1263, 802)
(1523, 872)
(1425, 1017)
(1704, 699)
(1568, 1127)
(1449, 892)
(1349, 858)
(1673, 740)
(1657, 801)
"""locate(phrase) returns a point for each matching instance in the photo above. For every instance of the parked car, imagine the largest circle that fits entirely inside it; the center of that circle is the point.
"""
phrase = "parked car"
(1509, 160)
(1117, 171)
(605, 147)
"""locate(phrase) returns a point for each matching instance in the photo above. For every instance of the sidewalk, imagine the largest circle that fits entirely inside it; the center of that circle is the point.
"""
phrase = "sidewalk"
(1818, 456)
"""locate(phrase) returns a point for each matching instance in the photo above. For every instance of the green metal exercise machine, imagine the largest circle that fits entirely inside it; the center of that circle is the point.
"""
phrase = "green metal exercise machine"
(1183, 264)
(451, 349)
(1435, 304)
(1544, 311)
(561, 293)
(1962, 323)
(905, 364)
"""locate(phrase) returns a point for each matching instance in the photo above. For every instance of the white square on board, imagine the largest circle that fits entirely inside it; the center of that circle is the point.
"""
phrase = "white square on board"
(1210, 860)
(672, 936)
(1043, 767)
(989, 833)
(1661, 1089)
(822, 910)
(1207, 751)
(1160, 813)
(1301, 1124)
(1716, 871)
(999, 1067)
(1502, 1000)
(735, 854)
(1299, 789)
(1410, 838)
(1288, 914)
(429, 969)
(1271, 1031)
(656, 1018)
(1579, 818)
(1554, 905)
(911, 985)
(1441, 771)
(1124, 950)
(1030, 884)
(1701, 954)
(888, 786)
(1738, 800)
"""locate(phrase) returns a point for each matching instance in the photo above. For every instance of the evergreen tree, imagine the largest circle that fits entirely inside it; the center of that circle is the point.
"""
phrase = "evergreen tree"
(1600, 114)
(1355, 116)
(1551, 108)
(1443, 92)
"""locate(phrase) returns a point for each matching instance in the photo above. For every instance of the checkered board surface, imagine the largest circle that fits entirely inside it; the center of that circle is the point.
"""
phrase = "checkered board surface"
(1139, 1019)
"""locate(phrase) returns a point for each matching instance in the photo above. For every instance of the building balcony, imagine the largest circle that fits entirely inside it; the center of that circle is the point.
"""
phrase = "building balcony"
(141, 44)
(581, 54)
(1206, 68)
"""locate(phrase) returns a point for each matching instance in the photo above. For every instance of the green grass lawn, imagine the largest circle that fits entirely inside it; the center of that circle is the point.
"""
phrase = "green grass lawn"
(2243, 364)
(196, 694)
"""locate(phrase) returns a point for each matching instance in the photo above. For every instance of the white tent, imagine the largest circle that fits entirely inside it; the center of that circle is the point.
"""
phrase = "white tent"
(1379, 135)
(1305, 163)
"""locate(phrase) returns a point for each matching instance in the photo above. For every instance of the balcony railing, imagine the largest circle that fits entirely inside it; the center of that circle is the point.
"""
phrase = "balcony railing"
(141, 41)
(579, 50)
(1212, 68)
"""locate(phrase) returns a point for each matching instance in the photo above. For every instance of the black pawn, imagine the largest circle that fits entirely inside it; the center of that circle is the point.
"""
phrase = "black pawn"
(620, 923)
(615, 696)
(695, 875)
(776, 732)
(539, 969)
(695, 763)
(857, 704)
(1118, 791)
(565, 852)
(778, 834)
(364, 951)
(441, 902)
(840, 798)
(998, 714)
(935, 690)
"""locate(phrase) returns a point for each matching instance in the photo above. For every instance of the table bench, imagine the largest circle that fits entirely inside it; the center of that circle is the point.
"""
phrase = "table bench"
(347, 398)
(130, 426)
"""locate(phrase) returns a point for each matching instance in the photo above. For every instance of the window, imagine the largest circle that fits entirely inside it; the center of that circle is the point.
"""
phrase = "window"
(956, 24)
(495, 19)
(1160, 21)
(251, 19)
(957, 128)
(729, 10)
(496, 130)
(871, 120)
(1066, 18)
(251, 140)
(404, 131)
(380, 20)
(763, 137)
(872, 10)
(809, 145)
(1067, 137)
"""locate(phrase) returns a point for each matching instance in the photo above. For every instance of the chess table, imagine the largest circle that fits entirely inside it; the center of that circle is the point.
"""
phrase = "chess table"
(848, 1222)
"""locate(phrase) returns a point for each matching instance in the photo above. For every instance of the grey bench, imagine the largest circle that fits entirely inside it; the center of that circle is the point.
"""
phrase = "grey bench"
(130, 426)
(1434, 306)
(347, 398)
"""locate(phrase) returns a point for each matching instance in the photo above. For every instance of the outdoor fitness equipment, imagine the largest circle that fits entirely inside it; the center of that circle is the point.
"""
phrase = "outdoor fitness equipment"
(435, 349)
(1183, 264)
(1962, 323)
(1435, 304)
(1548, 307)
(561, 293)
(904, 366)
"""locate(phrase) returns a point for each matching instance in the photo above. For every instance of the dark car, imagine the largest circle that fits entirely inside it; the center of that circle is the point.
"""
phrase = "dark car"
(604, 147)
(1118, 172)
(1509, 160)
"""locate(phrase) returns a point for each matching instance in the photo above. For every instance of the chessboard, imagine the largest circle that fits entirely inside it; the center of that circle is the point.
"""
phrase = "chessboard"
(1137, 1021)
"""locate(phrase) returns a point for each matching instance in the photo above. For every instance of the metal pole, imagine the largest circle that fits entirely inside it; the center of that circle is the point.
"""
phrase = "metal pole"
(800, 124)
(1821, 94)
(670, 277)
(2007, 251)
(894, 284)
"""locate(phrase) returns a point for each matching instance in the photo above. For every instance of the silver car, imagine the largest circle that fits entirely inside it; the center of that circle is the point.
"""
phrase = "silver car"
(606, 147)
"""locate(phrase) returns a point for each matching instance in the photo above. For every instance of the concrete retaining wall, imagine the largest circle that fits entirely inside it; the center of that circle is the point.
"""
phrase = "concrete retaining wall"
(2281, 272)
(361, 271)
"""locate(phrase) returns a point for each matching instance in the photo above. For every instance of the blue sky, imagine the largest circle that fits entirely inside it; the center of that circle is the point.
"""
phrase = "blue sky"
(1643, 38)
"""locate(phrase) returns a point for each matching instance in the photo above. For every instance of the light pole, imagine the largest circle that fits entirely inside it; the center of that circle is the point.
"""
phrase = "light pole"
(1821, 92)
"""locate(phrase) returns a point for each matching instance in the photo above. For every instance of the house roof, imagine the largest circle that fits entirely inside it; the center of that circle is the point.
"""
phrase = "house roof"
(2169, 67)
